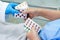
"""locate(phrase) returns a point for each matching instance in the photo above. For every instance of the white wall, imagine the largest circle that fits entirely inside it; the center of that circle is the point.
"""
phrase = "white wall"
(40, 2)
(44, 3)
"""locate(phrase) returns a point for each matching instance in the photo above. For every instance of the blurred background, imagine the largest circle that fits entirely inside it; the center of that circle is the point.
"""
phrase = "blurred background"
(49, 4)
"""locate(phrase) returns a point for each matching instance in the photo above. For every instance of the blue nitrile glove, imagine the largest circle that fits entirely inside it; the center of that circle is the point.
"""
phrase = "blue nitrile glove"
(11, 9)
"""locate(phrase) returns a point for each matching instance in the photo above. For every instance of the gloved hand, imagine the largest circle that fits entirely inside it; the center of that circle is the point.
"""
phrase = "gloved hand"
(11, 9)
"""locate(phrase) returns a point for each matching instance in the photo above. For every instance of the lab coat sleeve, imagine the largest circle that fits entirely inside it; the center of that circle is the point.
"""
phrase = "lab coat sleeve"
(12, 32)
(3, 6)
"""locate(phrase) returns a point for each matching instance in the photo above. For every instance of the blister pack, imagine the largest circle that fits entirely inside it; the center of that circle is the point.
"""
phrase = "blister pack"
(29, 23)
(21, 7)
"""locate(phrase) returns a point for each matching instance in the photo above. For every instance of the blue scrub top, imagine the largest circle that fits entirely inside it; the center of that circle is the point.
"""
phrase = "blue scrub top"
(51, 31)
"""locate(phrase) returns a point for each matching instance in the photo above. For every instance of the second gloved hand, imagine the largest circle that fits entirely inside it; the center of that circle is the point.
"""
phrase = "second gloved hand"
(11, 9)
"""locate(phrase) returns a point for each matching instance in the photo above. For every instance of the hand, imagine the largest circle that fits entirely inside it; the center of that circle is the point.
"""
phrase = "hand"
(32, 12)
(33, 35)
(11, 9)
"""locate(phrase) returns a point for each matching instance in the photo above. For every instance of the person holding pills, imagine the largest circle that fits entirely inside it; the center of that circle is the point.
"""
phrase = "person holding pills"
(10, 31)
(51, 31)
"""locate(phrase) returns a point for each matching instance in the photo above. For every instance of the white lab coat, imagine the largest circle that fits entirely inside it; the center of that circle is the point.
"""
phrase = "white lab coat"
(10, 31)
(3, 6)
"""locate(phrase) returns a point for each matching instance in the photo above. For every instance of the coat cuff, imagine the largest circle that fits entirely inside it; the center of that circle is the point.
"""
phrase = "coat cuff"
(3, 6)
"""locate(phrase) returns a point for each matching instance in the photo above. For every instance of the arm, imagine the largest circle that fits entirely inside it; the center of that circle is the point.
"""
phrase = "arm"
(7, 8)
(50, 14)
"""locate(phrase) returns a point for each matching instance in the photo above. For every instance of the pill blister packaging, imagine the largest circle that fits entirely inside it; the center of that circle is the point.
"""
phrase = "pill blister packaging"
(29, 23)
(21, 7)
